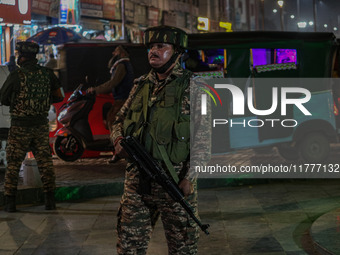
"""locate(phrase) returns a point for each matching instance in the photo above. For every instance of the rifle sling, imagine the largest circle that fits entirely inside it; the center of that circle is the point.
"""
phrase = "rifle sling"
(168, 163)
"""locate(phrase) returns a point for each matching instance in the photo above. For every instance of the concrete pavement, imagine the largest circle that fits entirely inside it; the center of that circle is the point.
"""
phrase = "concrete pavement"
(270, 217)
(264, 219)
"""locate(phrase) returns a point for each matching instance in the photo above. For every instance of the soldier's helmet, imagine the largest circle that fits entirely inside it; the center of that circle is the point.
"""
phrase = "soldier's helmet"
(166, 34)
(27, 48)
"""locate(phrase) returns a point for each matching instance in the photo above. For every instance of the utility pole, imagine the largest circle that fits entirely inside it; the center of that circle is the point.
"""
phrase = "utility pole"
(123, 20)
(281, 19)
(298, 12)
(314, 14)
(280, 3)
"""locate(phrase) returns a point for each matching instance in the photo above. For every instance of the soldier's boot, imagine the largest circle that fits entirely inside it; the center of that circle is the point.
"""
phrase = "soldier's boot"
(50, 201)
(10, 204)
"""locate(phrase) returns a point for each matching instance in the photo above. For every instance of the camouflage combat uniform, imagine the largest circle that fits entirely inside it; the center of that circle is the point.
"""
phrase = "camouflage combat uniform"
(139, 210)
(28, 93)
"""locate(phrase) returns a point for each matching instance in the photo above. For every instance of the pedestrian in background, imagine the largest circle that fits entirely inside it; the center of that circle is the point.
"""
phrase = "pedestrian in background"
(11, 65)
(119, 85)
(29, 91)
(51, 62)
(157, 113)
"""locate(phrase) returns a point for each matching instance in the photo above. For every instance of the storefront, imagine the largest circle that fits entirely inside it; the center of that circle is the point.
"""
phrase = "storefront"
(12, 13)
(102, 20)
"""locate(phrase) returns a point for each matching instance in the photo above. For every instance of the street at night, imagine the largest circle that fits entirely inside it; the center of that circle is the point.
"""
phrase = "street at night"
(188, 127)
(276, 216)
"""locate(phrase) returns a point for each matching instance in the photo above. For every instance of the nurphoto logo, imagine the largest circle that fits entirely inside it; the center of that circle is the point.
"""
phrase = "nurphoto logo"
(239, 101)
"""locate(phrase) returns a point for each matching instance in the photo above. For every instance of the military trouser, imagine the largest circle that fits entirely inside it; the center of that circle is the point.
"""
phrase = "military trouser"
(22, 140)
(138, 214)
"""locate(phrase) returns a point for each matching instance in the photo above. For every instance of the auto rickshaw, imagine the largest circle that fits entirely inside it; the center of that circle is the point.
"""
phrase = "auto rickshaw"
(263, 61)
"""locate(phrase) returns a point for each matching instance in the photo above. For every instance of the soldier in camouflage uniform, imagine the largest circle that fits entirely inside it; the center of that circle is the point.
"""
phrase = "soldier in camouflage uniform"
(157, 112)
(29, 91)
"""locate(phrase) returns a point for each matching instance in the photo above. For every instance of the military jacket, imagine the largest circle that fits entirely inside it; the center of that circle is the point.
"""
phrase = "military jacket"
(28, 93)
(155, 117)
(187, 106)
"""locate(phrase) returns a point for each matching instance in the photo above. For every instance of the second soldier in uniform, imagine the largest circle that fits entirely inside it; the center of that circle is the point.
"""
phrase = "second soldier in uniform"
(29, 91)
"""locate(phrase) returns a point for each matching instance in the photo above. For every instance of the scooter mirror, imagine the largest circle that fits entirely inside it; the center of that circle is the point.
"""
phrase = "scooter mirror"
(76, 93)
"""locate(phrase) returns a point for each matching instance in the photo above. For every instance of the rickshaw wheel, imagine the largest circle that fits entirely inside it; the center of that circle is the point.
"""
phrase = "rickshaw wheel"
(314, 148)
(68, 148)
(290, 153)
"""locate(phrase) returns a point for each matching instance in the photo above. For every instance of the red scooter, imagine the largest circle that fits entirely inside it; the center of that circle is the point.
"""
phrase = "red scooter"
(75, 136)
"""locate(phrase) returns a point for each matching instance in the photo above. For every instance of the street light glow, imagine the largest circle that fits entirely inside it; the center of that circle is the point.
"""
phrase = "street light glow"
(292, 16)
(274, 10)
(311, 23)
(302, 24)
(325, 25)
(280, 3)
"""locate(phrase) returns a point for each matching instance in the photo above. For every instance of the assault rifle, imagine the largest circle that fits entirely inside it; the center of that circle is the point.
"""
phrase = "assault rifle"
(151, 167)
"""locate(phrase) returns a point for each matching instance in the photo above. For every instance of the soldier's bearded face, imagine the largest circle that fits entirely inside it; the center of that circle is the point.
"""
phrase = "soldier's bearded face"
(159, 54)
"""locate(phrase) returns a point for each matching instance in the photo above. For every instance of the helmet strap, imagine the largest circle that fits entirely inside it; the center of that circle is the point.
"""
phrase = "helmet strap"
(167, 65)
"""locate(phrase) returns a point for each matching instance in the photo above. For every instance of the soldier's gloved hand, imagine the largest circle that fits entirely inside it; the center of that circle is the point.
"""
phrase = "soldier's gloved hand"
(119, 150)
(91, 90)
(186, 186)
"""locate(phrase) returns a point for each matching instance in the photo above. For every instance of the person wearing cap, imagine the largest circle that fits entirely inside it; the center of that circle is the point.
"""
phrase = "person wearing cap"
(120, 84)
(11, 65)
(157, 113)
(29, 92)
(51, 63)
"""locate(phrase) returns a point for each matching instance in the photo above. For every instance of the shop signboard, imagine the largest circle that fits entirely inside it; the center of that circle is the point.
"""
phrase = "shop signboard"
(203, 23)
(69, 12)
(226, 25)
(91, 8)
(15, 12)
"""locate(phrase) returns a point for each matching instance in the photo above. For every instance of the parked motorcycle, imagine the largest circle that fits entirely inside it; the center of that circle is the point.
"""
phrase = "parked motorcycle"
(75, 136)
